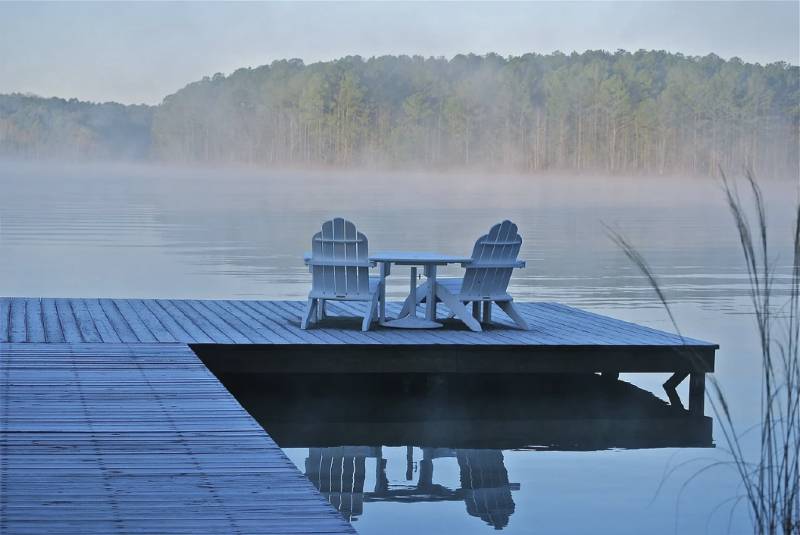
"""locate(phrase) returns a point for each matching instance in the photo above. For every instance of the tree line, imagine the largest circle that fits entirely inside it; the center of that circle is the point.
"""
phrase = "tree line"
(622, 112)
(54, 128)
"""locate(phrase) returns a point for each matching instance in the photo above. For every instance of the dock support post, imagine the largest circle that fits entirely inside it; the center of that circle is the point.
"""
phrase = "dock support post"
(697, 393)
(697, 390)
(670, 386)
(409, 463)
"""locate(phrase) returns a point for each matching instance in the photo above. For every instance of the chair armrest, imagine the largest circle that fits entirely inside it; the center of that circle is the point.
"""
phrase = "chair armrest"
(512, 264)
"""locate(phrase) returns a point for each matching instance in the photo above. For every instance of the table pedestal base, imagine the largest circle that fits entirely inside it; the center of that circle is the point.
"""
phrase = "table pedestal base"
(411, 320)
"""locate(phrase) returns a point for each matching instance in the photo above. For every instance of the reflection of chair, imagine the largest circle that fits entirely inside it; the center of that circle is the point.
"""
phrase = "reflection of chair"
(487, 491)
(339, 265)
(486, 278)
(338, 473)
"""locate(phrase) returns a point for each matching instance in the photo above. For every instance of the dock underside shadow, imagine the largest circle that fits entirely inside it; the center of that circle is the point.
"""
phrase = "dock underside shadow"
(555, 411)
(467, 360)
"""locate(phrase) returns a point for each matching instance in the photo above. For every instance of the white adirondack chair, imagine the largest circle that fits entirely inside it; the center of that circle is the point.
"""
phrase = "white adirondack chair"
(339, 265)
(486, 278)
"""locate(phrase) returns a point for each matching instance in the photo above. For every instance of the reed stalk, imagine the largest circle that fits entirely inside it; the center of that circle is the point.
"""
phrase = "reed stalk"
(770, 478)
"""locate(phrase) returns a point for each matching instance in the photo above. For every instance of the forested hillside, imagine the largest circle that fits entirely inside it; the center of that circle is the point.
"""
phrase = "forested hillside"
(622, 112)
(54, 128)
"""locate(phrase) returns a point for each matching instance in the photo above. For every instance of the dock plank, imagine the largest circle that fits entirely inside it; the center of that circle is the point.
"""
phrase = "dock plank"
(18, 330)
(170, 325)
(66, 318)
(146, 316)
(290, 320)
(104, 327)
(636, 331)
(121, 326)
(139, 328)
(5, 318)
(207, 327)
(34, 322)
(54, 333)
(173, 315)
(226, 324)
(295, 310)
(255, 331)
(265, 316)
(85, 322)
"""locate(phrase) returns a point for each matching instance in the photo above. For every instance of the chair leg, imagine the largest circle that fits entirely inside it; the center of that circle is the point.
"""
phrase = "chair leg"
(369, 315)
(320, 309)
(406, 307)
(311, 308)
(476, 310)
(487, 312)
(382, 301)
(422, 292)
(458, 308)
(509, 308)
(380, 304)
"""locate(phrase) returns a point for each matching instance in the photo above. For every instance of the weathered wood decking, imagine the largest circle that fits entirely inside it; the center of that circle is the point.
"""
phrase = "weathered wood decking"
(109, 422)
(111, 438)
(44, 320)
(562, 339)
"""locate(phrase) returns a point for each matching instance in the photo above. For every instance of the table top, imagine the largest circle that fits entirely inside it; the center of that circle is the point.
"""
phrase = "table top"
(418, 258)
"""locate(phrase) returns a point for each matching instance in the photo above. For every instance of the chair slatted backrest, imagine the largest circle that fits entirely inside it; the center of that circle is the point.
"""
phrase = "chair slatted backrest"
(493, 259)
(339, 260)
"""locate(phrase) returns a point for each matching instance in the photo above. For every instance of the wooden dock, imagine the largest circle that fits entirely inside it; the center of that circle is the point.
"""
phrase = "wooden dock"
(134, 321)
(111, 423)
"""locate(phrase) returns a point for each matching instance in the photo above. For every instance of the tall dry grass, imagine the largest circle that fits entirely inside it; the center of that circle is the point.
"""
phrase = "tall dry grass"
(770, 478)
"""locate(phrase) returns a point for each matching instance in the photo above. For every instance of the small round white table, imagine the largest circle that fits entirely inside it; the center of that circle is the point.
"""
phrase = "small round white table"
(429, 262)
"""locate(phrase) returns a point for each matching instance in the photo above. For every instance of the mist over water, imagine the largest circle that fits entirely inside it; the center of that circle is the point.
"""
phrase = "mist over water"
(139, 231)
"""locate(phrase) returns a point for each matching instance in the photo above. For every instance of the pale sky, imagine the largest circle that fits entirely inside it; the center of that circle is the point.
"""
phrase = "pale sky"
(141, 52)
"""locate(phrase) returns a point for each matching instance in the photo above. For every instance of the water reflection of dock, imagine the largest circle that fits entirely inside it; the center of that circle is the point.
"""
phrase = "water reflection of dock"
(347, 427)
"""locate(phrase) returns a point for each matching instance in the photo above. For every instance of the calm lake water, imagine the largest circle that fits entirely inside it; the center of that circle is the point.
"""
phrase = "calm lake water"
(557, 458)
